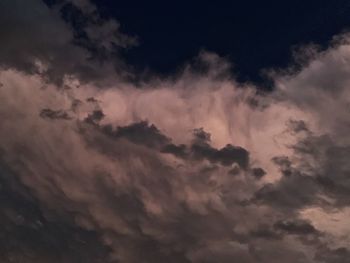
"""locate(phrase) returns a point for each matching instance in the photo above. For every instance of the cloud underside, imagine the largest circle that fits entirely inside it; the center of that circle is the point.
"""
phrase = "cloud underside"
(192, 168)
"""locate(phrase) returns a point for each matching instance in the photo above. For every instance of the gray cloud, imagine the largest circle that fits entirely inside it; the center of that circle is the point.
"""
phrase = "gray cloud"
(38, 40)
(296, 227)
(54, 114)
(32, 233)
(139, 133)
(338, 255)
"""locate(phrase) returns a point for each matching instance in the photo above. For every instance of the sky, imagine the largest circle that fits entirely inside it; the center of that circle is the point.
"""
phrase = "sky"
(174, 132)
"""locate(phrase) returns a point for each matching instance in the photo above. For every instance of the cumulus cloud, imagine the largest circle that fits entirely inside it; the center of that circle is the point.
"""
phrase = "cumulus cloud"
(193, 168)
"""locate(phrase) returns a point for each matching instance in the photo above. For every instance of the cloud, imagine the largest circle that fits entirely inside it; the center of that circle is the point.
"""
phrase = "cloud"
(139, 133)
(338, 255)
(54, 114)
(39, 40)
(192, 168)
(33, 233)
(298, 227)
(120, 184)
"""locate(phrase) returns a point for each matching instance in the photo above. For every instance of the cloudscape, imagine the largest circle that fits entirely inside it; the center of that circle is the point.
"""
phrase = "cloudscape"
(102, 162)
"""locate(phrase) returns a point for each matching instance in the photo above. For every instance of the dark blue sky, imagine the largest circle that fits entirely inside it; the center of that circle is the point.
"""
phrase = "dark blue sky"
(253, 34)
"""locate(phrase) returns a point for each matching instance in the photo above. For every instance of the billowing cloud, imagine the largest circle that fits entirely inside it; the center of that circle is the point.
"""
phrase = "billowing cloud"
(193, 168)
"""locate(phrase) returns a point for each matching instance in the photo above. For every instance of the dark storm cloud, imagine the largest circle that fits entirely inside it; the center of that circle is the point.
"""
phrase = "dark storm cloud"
(100, 36)
(55, 114)
(290, 193)
(139, 133)
(162, 211)
(293, 191)
(150, 136)
(94, 117)
(227, 155)
(323, 166)
(322, 169)
(32, 233)
(36, 39)
(328, 255)
(177, 150)
(30, 31)
(201, 149)
(258, 172)
(266, 232)
(332, 166)
(295, 227)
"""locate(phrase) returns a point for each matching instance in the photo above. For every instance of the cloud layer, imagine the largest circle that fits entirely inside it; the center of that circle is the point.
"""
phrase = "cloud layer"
(191, 168)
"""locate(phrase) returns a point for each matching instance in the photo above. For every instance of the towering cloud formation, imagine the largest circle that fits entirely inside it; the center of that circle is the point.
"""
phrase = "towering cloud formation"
(194, 168)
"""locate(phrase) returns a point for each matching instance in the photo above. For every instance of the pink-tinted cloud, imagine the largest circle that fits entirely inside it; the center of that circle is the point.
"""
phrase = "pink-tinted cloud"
(194, 168)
